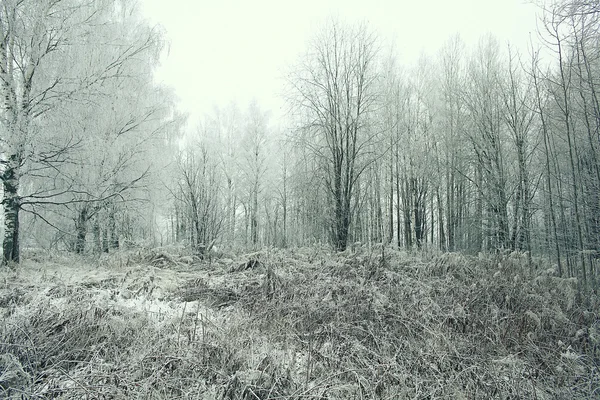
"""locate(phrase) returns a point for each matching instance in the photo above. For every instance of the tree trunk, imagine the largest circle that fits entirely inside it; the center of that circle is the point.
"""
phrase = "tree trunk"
(407, 215)
(391, 200)
(341, 225)
(254, 217)
(341, 206)
(419, 193)
(233, 219)
(246, 223)
(105, 242)
(230, 211)
(97, 237)
(450, 207)
(11, 203)
(547, 164)
(432, 232)
(376, 209)
(441, 228)
(114, 236)
(573, 155)
(477, 238)
(81, 230)
(398, 207)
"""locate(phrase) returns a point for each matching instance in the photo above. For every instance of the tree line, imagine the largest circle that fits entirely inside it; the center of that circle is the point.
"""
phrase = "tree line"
(483, 148)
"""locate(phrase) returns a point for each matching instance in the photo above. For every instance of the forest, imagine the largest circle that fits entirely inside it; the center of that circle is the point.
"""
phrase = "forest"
(482, 149)
(464, 188)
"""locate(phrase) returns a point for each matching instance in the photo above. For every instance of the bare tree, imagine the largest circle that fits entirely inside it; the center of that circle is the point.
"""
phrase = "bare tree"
(519, 117)
(253, 163)
(333, 96)
(51, 55)
(486, 136)
(196, 191)
(563, 112)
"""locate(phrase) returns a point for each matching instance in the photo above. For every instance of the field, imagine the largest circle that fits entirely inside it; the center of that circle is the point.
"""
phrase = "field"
(307, 323)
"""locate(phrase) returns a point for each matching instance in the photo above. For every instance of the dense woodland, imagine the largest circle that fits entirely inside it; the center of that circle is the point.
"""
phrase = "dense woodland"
(478, 149)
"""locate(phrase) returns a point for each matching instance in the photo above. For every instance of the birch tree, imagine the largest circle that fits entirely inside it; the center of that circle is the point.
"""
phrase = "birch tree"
(53, 53)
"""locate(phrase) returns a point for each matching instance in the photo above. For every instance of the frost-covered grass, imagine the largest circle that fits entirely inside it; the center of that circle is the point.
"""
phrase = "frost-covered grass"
(294, 324)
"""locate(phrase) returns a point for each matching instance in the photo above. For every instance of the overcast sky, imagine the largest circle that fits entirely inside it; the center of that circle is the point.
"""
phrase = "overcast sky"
(224, 50)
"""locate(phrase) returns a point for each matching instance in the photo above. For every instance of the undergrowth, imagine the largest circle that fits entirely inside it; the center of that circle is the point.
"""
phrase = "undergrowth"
(297, 324)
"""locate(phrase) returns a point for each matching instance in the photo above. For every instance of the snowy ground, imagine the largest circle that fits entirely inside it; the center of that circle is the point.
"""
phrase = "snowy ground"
(293, 324)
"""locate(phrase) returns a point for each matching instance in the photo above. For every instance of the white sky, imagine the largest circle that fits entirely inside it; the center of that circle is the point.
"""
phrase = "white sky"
(236, 50)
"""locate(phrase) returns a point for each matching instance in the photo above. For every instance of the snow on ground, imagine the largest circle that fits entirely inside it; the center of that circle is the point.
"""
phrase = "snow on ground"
(300, 323)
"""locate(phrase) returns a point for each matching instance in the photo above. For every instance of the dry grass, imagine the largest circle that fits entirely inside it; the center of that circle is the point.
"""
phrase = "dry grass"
(296, 324)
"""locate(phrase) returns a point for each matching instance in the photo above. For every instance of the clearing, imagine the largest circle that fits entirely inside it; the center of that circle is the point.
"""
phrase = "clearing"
(294, 324)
